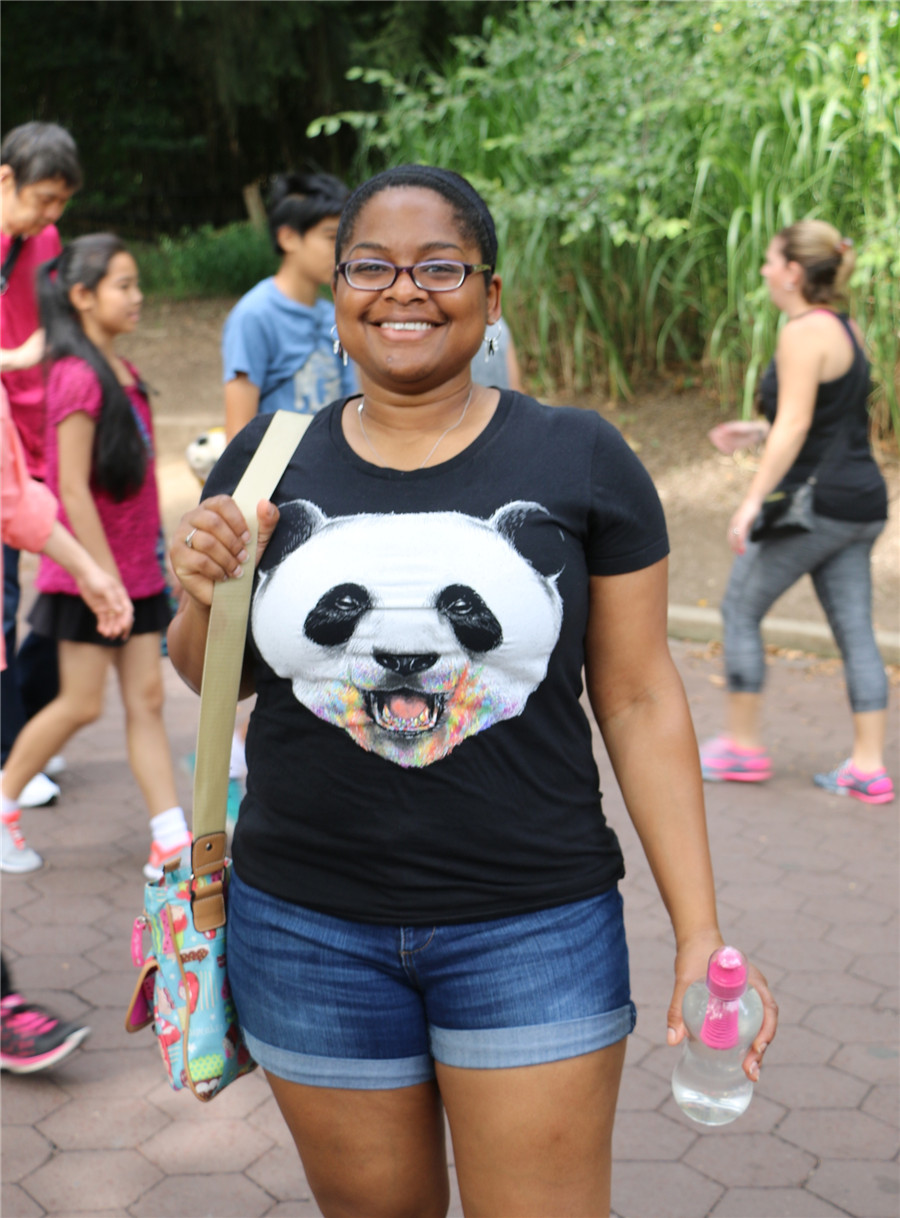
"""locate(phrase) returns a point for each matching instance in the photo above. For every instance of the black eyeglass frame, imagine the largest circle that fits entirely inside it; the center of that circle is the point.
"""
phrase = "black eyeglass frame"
(467, 268)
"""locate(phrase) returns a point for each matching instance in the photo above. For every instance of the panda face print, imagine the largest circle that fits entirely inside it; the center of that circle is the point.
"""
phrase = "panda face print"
(409, 632)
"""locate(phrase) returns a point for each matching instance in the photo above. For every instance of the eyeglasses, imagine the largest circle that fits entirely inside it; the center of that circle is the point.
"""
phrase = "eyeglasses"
(373, 275)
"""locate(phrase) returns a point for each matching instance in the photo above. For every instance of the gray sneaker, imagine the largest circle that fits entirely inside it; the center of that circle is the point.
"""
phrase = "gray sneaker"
(15, 856)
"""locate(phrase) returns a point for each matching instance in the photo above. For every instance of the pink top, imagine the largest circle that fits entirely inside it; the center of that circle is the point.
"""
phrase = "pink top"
(132, 526)
(27, 508)
(18, 321)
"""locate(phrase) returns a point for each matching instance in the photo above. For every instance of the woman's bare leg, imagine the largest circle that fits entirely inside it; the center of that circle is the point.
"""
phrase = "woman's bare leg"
(369, 1154)
(536, 1141)
(140, 680)
(869, 732)
(743, 715)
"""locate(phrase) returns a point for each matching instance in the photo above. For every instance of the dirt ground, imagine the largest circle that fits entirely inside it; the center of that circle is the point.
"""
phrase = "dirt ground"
(176, 350)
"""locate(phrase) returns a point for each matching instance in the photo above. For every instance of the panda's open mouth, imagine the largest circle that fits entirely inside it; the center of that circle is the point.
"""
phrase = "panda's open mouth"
(404, 710)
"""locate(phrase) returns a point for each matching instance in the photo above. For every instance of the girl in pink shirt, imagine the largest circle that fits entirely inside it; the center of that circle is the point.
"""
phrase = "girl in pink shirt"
(100, 465)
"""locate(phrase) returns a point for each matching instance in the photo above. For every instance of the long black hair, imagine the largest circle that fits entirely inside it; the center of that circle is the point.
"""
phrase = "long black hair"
(120, 453)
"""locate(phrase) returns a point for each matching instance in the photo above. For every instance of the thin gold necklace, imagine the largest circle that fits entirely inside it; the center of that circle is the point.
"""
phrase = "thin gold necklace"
(433, 449)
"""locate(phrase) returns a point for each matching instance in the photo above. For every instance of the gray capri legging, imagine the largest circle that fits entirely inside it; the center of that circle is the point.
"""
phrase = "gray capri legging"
(837, 555)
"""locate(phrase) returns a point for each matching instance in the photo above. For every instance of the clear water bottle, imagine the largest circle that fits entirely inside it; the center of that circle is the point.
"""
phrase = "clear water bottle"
(723, 1016)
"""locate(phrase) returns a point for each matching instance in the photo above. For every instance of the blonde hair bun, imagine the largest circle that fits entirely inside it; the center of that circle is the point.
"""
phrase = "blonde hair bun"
(827, 259)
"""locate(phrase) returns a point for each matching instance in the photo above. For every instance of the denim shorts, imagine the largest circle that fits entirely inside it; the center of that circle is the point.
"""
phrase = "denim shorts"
(334, 1003)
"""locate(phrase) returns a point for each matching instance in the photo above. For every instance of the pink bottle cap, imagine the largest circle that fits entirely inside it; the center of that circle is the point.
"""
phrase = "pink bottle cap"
(726, 975)
(726, 980)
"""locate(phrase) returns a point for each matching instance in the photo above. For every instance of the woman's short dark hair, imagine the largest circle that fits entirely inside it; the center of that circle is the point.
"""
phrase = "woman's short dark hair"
(38, 151)
(470, 210)
(303, 200)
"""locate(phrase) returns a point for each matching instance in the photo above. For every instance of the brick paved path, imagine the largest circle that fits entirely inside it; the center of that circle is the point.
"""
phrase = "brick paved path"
(808, 886)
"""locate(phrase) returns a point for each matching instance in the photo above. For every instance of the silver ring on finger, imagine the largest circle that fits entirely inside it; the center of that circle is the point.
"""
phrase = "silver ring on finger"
(189, 540)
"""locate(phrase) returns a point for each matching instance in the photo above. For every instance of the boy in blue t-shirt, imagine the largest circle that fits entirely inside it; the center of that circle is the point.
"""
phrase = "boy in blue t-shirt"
(277, 345)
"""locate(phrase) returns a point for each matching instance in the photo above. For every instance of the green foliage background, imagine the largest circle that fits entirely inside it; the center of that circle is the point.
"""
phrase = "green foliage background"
(177, 105)
(639, 156)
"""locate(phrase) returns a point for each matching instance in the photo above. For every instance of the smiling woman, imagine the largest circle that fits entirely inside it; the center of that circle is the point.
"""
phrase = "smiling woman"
(425, 911)
(413, 300)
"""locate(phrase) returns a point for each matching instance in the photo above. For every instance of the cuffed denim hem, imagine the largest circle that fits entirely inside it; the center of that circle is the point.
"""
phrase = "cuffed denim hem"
(355, 1073)
(498, 1048)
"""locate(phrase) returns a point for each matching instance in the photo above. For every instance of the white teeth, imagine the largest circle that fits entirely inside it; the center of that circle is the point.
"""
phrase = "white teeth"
(405, 325)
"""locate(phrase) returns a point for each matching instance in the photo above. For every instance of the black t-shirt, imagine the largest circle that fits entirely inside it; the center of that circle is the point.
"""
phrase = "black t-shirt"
(418, 752)
(849, 485)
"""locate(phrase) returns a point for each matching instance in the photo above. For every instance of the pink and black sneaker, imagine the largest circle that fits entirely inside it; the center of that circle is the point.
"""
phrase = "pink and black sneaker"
(873, 788)
(31, 1038)
(722, 760)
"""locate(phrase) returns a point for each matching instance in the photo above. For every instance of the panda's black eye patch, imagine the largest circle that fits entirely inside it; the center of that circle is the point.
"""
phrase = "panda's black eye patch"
(473, 623)
(332, 621)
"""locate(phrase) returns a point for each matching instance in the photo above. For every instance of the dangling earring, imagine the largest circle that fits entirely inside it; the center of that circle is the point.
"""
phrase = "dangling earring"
(492, 343)
(336, 345)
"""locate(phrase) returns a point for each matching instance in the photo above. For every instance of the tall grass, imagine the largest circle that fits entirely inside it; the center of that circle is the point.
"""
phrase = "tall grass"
(638, 158)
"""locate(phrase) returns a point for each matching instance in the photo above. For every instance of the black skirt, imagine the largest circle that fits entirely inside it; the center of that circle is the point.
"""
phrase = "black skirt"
(56, 615)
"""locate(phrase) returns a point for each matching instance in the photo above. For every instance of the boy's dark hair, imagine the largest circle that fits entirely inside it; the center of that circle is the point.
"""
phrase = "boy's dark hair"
(37, 151)
(303, 200)
(120, 453)
(471, 212)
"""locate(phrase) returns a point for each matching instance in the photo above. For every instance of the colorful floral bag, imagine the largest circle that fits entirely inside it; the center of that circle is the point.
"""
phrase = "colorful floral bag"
(182, 988)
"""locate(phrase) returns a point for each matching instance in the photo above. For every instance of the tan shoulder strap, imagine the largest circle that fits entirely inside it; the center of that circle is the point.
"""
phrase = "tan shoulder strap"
(225, 644)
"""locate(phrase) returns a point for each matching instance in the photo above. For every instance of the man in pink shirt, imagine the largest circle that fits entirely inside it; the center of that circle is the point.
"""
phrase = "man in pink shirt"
(39, 173)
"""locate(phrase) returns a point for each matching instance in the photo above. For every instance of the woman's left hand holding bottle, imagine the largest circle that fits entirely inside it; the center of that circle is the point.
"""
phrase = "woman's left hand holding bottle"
(691, 963)
(210, 544)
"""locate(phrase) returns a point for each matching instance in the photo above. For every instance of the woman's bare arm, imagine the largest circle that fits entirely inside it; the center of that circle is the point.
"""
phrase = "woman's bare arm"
(642, 712)
(800, 357)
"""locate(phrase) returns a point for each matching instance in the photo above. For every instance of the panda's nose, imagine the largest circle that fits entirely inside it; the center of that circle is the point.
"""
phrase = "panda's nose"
(406, 665)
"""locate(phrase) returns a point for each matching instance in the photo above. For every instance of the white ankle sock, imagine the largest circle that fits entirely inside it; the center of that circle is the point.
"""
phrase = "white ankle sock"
(169, 827)
(7, 805)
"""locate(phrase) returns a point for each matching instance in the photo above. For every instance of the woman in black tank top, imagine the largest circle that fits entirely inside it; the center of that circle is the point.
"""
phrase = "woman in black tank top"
(813, 397)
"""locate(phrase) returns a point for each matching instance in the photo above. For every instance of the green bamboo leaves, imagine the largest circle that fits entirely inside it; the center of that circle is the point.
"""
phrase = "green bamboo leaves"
(639, 156)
